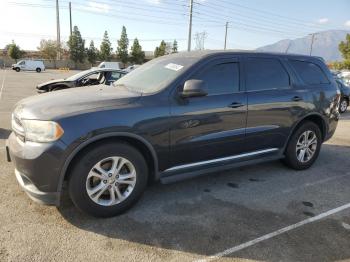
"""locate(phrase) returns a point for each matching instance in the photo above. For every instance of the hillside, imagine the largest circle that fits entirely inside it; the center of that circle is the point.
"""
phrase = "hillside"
(325, 45)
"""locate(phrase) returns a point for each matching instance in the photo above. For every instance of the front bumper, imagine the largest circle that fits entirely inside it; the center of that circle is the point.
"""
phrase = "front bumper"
(46, 198)
(37, 168)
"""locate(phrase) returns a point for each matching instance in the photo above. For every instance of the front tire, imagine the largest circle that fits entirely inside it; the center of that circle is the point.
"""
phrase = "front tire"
(303, 147)
(17, 69)
(343, 106)
(108, 179)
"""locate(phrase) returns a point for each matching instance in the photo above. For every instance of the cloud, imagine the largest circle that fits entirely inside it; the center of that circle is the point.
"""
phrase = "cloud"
(97, 7)
(347, 23)
(323, 20)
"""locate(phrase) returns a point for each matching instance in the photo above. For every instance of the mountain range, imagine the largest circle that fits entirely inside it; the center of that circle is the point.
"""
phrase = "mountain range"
(325, 45)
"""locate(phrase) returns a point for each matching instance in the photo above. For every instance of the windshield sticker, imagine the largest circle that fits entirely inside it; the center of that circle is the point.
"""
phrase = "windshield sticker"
(174, 67)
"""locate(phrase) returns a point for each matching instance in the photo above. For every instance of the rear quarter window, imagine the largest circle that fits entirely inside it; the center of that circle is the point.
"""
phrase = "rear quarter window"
(309, 72)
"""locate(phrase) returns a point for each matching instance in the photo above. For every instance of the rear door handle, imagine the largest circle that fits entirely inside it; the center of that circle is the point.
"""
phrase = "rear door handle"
(297, 98)
(236, 105)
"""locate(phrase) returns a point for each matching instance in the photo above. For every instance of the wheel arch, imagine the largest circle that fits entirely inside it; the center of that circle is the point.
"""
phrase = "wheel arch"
(315, 118)
(136, 141)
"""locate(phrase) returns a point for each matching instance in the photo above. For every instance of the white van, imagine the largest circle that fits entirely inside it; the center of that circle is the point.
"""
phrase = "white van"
(29, 65)
(112, 65)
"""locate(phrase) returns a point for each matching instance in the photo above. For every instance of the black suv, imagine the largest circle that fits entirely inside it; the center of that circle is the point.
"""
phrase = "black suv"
(175, 117)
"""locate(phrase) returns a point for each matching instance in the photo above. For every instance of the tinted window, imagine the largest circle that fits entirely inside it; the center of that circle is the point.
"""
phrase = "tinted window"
(309, 72)
(265, 73)
(221, 78)
(115, 76)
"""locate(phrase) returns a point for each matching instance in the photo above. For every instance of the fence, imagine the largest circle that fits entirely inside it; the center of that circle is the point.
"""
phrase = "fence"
(48, 64)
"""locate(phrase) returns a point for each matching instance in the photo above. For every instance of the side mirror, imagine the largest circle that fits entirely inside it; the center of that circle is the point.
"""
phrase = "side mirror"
(194, 88)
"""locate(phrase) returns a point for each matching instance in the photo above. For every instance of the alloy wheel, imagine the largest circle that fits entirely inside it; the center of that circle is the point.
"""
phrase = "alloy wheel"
(111, 181)
(343, 106)
(306, 146)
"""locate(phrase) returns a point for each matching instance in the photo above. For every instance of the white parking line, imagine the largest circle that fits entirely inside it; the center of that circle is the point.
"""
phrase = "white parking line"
(274, 234)
(3, 82)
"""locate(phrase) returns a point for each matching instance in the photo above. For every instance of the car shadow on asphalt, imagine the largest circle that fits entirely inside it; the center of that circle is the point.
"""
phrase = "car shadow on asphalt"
(4, 133)
(205, 216)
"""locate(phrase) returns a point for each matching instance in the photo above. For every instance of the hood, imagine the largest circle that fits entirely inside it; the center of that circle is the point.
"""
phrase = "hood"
(54, 105)
(52, 82)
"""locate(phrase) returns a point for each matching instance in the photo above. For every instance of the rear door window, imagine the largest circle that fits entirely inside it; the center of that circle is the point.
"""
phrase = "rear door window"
(309, 72)
(265, 74)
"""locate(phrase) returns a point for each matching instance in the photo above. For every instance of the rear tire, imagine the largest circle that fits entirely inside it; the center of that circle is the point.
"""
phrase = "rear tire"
(343, 105)
(38, 70)
(303, 147)
(94, 170)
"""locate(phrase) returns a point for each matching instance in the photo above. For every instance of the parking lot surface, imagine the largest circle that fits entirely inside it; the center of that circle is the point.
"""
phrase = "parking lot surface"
(235, 215)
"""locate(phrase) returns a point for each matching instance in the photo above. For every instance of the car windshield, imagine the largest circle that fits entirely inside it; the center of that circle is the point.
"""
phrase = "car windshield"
(156, 74)
(79, 75)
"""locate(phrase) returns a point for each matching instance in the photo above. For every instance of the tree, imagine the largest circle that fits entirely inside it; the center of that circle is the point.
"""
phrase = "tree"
(344, 47)
(48, 49)
(92, 53)
(137, 55)
(123, 44)
(14, 51)
(156, 52)
(106, 48)
(174, 49)
(161, 50)
(76, 46)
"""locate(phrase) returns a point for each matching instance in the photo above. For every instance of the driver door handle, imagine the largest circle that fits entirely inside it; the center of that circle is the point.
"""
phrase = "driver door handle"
(235, 105)
(297, 98)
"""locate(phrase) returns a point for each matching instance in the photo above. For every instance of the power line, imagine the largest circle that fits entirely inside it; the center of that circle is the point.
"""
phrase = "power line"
(87, 37)
(158, 20)
(248, 19)
(263, 12)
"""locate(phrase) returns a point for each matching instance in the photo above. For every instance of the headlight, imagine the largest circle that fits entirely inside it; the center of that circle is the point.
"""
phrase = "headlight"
(41, 131)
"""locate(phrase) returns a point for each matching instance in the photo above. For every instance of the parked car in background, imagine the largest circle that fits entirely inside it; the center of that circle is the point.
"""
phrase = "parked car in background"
(345, 96)
(130, 68)
(93, 76)
(114, 65)
(29, 65)
(175, 117)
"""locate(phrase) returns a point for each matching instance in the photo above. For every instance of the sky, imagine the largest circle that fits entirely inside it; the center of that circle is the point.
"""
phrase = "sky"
(251, 23)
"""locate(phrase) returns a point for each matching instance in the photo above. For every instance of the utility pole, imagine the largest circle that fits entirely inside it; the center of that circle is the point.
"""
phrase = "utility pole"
(312, 42)
(289, 44)
(70, 17)
(190, 27)
(58, 31)
(226, 27)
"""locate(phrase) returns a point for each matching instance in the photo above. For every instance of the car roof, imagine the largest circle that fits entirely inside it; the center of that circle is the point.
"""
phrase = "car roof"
(209, 53)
